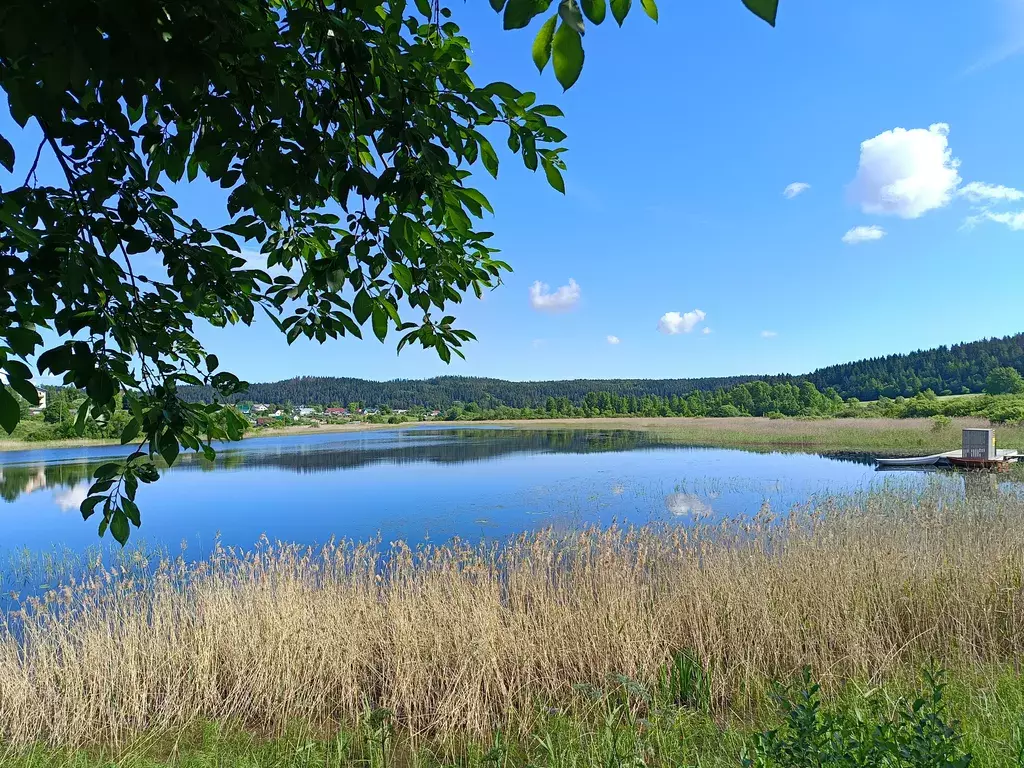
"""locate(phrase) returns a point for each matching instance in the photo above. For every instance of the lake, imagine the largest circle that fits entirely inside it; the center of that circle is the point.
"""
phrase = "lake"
(420, 484)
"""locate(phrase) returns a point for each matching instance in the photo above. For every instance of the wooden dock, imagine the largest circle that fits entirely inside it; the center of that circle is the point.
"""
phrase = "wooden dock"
(1002, 459)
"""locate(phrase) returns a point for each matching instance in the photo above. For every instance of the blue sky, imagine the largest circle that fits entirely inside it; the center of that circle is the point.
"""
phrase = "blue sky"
(683, 137)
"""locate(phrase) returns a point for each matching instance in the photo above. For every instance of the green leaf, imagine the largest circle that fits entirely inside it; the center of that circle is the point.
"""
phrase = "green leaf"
(169, 448)
(497, 5)
(554, 176)
(380, 323)
(542, 43)
(130, 431)
(88, 507)
(595, 10)
(10, 411)
(6, 154)
(402, 275)
(107, 471)
(519, 13)
(80, 418)
(650, 8)
(571, 14)
(362, 306)
(56, 360)
(766, 9)
(567, 50)
(100, 388)
(119, 527)
(26, 389)
(131, 511)
(488, 157)
(620, 9)
(23, 340)
(211, 363)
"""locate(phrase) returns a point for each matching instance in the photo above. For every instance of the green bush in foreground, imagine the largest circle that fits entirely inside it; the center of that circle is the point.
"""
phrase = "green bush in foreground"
(917, 734)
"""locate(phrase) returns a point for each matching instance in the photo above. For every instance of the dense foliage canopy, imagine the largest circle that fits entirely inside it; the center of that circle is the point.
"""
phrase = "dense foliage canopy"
(342, 134)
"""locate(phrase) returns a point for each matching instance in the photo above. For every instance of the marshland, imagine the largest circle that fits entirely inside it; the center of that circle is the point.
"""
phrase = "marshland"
(655, 624)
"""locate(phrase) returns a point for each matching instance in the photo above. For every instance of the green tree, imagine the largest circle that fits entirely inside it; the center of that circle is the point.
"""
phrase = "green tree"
(58, 408)
(1004, 381)
(343, 134)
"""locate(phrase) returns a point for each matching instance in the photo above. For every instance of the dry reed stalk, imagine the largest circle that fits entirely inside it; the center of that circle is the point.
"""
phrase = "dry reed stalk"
(465, 638)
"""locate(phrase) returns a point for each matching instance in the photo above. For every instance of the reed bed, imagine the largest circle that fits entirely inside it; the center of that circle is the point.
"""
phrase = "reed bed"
(474, 638)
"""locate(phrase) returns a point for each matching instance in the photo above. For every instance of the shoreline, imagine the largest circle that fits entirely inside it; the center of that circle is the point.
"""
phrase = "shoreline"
(878, 434)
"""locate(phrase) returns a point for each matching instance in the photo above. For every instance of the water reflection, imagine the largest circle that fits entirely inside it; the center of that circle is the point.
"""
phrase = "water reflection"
(421, 484)
(687, 505)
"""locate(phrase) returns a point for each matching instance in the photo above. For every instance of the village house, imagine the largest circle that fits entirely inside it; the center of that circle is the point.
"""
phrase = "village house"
(336, 412)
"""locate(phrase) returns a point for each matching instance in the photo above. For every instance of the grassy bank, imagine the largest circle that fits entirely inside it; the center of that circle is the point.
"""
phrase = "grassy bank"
(630, 725)
(888, 436)
(553, 634)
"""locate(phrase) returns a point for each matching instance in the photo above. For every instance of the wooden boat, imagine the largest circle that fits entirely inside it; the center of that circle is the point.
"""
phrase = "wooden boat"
(918, 461)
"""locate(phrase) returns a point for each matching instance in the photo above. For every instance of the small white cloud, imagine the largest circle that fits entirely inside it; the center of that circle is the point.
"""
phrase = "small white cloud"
(706, 331)
(561, 300)
(794, 189)
(906, 172)
(538, 343)
(672, 323)
(684, 504)
(863, 234)
(71, 498)
(614, 340)
(1014, 220)
(769, 334)
(980, 192)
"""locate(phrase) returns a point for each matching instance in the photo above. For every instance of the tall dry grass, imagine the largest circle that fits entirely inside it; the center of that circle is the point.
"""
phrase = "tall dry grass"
(463, 638)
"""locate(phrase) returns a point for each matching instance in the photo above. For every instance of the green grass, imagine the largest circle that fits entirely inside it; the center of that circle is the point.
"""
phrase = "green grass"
(978, 718)
(891, 437)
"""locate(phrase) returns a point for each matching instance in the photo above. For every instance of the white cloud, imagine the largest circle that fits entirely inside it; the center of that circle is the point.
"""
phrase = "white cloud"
(706, 331)
(672, 323)
(538, 343)
(614, 340)
(906, 172)
(683, 504)
(71, 498)
(863, 234)
(1014, 220)
(769, 334)
(562, 300)
(980, 192)
(794, 189)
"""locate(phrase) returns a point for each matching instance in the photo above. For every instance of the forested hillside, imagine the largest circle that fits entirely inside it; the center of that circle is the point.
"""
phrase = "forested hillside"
(955, 370)
(946, 370)
(443, 391)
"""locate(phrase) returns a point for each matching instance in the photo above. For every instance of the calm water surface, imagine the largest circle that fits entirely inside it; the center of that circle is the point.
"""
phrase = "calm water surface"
(418, 484)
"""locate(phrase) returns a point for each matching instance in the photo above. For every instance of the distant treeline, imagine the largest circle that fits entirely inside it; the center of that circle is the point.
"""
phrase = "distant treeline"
(752, 398)
(444, 391)
(957, 369)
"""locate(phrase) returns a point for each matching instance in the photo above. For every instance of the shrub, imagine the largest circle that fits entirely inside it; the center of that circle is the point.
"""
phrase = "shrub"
(1004, 381)
(940, 423)
(918, 735)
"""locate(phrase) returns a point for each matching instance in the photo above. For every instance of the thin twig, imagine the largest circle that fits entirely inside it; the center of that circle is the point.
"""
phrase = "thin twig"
(35, 163)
